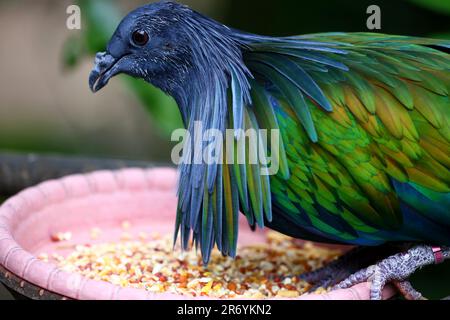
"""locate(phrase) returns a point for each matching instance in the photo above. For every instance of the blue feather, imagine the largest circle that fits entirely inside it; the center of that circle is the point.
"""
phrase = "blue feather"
(296, 75)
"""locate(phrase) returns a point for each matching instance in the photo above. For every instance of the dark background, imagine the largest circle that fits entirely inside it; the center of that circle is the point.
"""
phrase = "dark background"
(46, 107)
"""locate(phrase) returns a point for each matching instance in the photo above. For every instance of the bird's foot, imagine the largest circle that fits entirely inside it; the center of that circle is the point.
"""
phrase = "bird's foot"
(407, 290)
(396, 269)
(341, 268)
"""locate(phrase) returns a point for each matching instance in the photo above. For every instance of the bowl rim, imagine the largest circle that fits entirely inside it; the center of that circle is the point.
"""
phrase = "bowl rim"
(16, 262)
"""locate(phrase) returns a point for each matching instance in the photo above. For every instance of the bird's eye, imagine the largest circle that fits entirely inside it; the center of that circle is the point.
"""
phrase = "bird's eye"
(140, 37)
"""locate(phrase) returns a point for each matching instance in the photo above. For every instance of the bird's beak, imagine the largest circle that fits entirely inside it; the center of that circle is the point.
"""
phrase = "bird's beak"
(104, 69)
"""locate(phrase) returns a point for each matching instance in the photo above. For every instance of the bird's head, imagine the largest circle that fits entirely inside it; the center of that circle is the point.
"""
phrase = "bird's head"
(165, 44)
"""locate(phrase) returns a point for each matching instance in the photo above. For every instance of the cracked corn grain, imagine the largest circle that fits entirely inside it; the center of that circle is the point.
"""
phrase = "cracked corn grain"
(259, 271)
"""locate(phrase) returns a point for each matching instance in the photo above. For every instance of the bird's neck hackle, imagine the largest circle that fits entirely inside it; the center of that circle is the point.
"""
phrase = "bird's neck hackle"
(217, 75)
(215, 59)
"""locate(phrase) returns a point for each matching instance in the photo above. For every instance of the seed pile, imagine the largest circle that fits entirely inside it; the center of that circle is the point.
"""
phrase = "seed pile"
(260, 271)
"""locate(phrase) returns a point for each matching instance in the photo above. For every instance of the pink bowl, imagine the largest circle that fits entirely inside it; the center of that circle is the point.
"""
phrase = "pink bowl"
(78, 203)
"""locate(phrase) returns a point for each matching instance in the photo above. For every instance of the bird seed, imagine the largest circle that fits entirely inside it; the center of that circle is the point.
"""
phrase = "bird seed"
(266, 270)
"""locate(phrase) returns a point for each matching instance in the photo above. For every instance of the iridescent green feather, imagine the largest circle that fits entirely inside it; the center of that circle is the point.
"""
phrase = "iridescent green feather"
(365, 140)
(384, 112)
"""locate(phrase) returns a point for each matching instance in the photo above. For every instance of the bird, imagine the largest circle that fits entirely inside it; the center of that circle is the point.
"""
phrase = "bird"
(363, 147)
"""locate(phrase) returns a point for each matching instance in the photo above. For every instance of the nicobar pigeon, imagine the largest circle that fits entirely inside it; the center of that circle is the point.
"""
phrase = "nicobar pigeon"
(365, 137)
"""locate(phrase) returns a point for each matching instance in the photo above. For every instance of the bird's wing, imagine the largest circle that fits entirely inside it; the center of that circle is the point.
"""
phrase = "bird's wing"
(364, 120)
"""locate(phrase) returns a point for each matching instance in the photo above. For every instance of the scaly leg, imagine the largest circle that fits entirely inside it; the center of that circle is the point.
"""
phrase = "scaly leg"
(407, 290)
(397, 268)
(350, 262)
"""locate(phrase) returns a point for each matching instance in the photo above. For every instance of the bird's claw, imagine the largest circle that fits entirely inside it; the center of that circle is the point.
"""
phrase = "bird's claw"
(408, 291)
(372, 274)
(396, 269)
(341, 268)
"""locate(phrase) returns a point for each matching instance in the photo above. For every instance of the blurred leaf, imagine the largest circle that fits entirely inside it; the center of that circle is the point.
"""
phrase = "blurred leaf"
(161, 106)
(73, 51)
(101, 19)
(440, 6)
